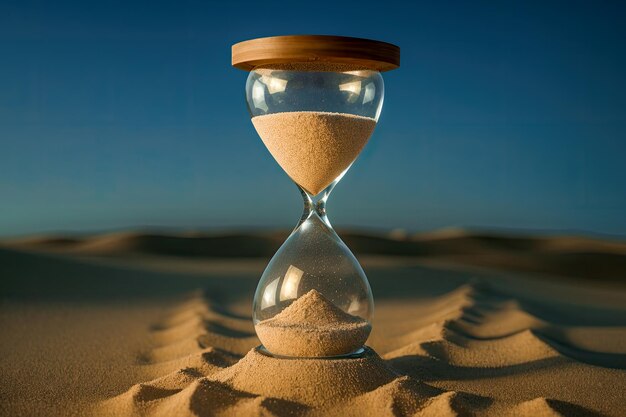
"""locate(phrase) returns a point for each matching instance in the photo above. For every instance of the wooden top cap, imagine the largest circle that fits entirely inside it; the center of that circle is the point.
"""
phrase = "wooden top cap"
(319, 50)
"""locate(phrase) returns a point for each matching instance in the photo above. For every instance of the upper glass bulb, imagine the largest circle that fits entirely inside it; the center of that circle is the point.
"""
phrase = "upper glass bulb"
(314, 123)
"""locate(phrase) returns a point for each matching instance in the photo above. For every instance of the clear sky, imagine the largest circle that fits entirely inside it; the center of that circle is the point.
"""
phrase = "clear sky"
(125, 114)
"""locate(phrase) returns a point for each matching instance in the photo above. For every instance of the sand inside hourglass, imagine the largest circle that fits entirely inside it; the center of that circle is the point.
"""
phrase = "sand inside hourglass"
(313, 326)
(314, 148)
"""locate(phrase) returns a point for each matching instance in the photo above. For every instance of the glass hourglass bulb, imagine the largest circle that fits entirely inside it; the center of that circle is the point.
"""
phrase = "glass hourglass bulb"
(313, 299)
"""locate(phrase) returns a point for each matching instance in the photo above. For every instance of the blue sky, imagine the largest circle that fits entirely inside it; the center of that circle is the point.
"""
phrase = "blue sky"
(128, 114)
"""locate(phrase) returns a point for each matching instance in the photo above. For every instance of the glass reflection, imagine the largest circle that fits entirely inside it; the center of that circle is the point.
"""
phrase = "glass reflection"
(289, 289)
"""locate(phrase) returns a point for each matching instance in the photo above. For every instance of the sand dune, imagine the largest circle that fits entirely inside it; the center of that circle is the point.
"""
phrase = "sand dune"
(572, 256)
(84, 335)
(394, 385)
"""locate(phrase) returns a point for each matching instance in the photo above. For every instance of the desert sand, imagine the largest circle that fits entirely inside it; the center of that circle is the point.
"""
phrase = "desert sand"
(159, 325)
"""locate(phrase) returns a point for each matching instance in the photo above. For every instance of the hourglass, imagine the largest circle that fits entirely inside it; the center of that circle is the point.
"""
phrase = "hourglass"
(314, 101)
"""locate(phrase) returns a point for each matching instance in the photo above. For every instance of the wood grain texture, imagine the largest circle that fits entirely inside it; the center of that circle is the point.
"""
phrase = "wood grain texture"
(320, 49)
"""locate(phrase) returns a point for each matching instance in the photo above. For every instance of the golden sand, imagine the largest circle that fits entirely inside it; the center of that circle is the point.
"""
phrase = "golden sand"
(113, 336)
(314, 148)
(312, 326)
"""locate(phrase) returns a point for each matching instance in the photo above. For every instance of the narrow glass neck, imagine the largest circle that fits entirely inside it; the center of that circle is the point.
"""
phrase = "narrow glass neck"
(316, 205)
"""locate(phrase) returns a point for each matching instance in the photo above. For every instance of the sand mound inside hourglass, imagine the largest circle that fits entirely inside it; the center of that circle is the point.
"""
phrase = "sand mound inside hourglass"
(314, 148)
(312, 326)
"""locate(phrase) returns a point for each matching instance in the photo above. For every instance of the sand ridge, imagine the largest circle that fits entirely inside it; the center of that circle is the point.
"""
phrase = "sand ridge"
(444, 343)
(406, 381)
